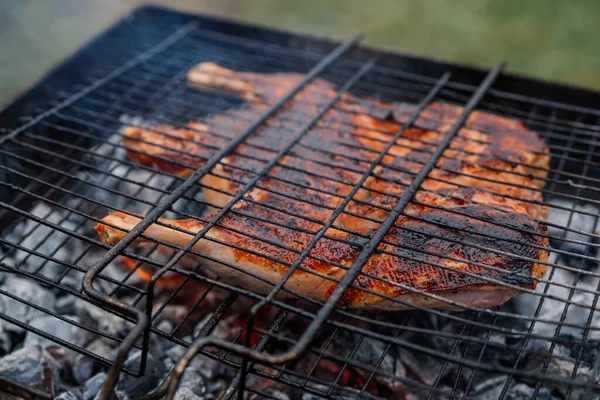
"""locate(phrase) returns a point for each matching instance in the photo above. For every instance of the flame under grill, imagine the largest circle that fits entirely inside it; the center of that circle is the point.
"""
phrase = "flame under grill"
(63, 167)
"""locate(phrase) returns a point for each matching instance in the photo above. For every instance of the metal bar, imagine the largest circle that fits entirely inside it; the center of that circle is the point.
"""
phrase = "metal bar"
(563, 315)
(166, 203)
(206, 330)
(238, 383)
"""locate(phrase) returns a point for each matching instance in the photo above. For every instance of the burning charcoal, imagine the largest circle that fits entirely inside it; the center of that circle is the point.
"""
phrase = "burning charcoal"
(93, 386)
(132, 386)
(59, 328)
(27, 290)
(32, 366)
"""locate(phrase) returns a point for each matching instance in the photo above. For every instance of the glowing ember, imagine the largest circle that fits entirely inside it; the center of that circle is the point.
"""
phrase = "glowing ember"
(169, 280)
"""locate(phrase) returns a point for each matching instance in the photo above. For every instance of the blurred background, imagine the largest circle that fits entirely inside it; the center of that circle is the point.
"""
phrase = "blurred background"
(550, 39)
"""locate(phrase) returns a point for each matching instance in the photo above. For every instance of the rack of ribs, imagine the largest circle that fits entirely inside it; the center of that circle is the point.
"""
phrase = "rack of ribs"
(473, 234)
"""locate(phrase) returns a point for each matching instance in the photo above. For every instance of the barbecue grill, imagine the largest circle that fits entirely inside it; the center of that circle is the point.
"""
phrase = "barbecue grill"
(63, 167)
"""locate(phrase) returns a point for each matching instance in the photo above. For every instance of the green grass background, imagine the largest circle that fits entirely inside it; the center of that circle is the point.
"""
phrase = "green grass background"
(552, 39)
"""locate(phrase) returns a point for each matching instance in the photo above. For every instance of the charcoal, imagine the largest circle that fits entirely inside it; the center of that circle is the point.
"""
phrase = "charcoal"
(32, 366)
(559, 367)
(489, 389)
(5, 338)
(277, 394)
(370, 351)
(425, 367)
(310, 396)
(158, 344)
(524, 392)
(65, 304)
(174, 354)
(58, 328)
(83, 367)
(588, 350)
(193, 378)
(118, 170)
(93, 386)
(199, 372)
(132, 386)
(103, 321)
(551, 309)
(118, 395)
(45, 240)
(576, 221)
(70, 395)
(72, 281)
(27, 290)
(186, 394)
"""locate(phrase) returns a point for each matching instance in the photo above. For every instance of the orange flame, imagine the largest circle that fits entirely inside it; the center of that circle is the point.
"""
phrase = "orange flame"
(169, 282)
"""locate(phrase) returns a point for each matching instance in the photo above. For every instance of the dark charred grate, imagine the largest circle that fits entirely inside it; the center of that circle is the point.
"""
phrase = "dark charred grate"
(65, 167)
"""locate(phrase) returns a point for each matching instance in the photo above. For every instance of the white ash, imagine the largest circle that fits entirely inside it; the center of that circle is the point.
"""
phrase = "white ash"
(68, 396)
(185, 393)
(64, 330)
(44, 239)
(104, 321)
(29, 291)
(554, 299)
(579, 217)
(93, 386)
(32, 366)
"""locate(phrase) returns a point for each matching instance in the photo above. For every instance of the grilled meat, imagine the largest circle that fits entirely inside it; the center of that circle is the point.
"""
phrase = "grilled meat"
(474, 227)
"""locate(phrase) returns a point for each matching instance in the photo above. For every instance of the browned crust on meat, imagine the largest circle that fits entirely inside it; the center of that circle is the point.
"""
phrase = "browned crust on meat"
(479, 208)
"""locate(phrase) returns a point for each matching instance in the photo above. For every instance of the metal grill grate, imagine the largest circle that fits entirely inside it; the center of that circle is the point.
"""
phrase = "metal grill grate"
(65, 167)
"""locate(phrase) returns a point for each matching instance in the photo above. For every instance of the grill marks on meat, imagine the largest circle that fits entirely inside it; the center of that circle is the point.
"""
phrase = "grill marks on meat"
(472, 209)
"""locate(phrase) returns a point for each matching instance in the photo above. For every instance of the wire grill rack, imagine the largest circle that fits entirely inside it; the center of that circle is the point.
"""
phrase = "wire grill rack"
(66, 153)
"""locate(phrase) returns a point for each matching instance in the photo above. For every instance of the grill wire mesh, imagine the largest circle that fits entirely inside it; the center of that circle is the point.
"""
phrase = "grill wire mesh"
(65, 167)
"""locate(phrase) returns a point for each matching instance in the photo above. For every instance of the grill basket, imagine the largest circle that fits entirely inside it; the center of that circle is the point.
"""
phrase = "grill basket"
(63, 167)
